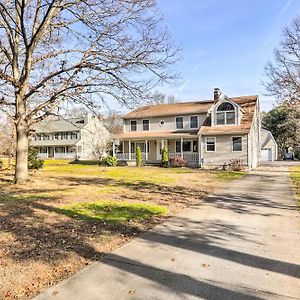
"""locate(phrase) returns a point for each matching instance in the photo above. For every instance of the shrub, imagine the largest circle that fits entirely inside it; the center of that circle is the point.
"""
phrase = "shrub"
(164, 158)
(109, 161)
(297, 154)
(139, 159)
(34, 162)
(236, 165)
(177, 162)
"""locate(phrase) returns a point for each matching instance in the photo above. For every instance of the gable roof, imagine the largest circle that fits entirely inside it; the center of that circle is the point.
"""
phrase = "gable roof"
(60, 125)
(180, 108)
(172, 109)
(247, 104)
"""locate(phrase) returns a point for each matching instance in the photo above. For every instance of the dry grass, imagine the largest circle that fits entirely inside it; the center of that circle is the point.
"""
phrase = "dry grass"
(40, 244)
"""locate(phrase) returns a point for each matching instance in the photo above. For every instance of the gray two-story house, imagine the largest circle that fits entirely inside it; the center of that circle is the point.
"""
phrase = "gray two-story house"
(204, 133)
(82, 138)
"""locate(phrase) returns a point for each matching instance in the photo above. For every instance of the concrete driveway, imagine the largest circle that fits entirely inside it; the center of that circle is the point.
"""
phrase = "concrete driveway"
(240, 243)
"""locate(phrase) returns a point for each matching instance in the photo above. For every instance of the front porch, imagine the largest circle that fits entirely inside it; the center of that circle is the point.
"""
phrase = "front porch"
(188, 149)
(59, 152)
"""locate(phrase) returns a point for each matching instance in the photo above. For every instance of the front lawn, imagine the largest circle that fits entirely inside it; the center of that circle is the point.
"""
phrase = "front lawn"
(69, 215)
(295, 176)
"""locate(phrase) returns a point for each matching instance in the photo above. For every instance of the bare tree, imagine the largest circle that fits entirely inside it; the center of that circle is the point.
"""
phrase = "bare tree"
(284, 72)
(85, 51)
(113, 122)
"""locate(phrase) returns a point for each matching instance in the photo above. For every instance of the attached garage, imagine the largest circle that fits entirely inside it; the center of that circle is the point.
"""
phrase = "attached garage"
(268, 146)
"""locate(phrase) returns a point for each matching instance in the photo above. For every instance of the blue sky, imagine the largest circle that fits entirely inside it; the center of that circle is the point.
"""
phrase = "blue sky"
(225, 44)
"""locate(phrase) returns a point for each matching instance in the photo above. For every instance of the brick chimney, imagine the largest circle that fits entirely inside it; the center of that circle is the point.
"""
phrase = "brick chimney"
(217, 95)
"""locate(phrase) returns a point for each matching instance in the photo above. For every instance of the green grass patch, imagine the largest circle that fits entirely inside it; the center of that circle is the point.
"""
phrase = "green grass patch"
(112, 211)
(295, 176)
(126, 174)
(229, 175)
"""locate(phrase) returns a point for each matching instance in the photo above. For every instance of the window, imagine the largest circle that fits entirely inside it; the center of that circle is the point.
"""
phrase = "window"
(132, 125)
(179, 122)
(178, 146)
(195, 146)
(161, 123)
(64, 135)
(56, 136)
(236, 143)
(80, 121)
(146, 125)
(210, 144)
(194, 122)
(74, 136)
(43, 150)
(225, 114)
(186, 146)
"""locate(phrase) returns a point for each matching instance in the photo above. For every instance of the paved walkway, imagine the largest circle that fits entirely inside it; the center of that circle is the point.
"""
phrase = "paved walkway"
(241, 243)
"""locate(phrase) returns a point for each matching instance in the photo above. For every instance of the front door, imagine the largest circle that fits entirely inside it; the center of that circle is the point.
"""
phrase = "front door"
(50, 152)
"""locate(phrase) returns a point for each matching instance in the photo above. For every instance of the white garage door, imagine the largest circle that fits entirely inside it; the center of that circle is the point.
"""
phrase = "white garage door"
(266, 154)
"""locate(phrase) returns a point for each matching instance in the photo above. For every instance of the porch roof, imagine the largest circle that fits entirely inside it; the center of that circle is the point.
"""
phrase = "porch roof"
(158, 134)
(49, 143)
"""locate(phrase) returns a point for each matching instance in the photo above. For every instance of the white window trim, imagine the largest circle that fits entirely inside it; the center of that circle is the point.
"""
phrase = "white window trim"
(143, 124)
(237, 136)
(197, 122)
(130, 126)
(182, 122)
(210, 137)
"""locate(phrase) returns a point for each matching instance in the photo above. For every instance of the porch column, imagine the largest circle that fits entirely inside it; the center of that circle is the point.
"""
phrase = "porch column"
(181, 147)
(76, 151)
(114, 148)
(162, 144)
(146, 147)
(129, 151)
(199, 150)
(54, 152)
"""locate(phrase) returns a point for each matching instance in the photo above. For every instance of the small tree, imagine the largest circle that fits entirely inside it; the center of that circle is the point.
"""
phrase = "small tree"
(164, 158)
(34, 162)
(139, 159)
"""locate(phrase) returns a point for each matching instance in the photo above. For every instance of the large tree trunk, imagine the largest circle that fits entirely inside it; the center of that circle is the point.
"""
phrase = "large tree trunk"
(21, 171)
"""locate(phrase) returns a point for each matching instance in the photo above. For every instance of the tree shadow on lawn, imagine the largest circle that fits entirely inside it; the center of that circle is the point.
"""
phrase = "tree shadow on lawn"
(242, 203)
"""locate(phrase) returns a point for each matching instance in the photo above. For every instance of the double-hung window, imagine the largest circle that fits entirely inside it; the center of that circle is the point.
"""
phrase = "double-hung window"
(237, 144)
(146, 125)
(179, 122)
(133, 125)
(210, 144)
(194, 122)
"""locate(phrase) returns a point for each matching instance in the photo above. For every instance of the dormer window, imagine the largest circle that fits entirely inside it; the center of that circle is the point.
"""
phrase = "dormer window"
(225, 114)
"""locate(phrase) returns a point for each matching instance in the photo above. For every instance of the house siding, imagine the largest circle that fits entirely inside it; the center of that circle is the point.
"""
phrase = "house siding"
(170, 123)
(223, 152)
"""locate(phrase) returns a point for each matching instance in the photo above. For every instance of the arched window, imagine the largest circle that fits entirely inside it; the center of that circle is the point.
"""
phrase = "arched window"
(225, 114)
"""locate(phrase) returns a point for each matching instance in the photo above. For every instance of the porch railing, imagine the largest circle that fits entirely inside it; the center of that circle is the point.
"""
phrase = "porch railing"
(65, 155)
(43, 155)
(125, 156)
(188, 156)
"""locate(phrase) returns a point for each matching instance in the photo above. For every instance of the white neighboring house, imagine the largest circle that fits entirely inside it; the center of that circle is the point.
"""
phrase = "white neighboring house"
(269, 148)
(81, 138)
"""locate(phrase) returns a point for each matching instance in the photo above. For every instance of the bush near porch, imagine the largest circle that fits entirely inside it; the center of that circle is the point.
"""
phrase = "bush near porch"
(69, 215)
